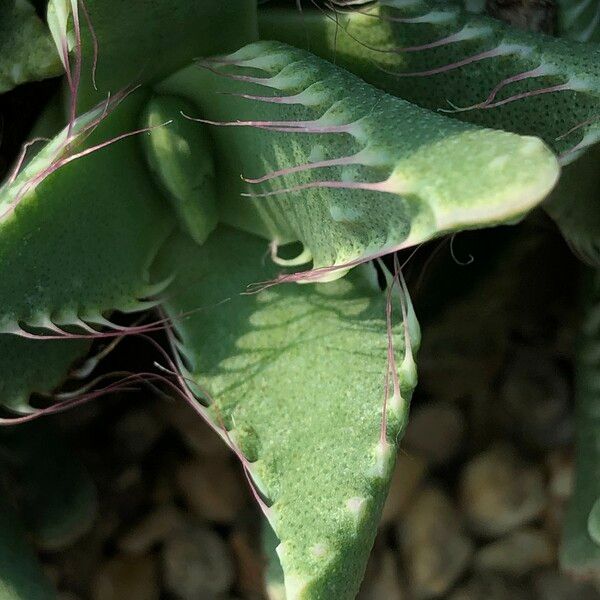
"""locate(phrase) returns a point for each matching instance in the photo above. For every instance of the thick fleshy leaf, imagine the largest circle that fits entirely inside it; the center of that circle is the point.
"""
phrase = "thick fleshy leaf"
(34, 367)
(26, 49)
(296, 374)
(476, 68)
(137, 42)
(580, 551)
(77, 238)
(180, 157)
(346, 169)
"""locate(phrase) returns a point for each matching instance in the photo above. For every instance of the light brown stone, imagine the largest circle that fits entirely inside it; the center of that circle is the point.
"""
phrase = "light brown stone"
(435, 549)
(500, 492)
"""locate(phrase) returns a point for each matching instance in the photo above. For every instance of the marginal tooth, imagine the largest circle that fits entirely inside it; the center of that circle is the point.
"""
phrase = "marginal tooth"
(140, 306)
(65, 316)
(154, 289)
(85, 326)
(42, 321)
(99, 320)
(9, 325)
(356, 505)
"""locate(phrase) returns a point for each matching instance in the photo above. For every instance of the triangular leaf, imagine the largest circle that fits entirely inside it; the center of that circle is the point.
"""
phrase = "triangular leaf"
(297, 376)
(346, 169)
(474, 67)
(77, 238)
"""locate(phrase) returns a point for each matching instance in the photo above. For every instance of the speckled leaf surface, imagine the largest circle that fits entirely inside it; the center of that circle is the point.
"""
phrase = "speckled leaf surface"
(477, 68)
(297, 376)
(346, 169)
(26, 49)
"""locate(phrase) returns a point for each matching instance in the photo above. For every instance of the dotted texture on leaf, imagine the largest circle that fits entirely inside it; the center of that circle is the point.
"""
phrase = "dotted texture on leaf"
(346, 169)
(474, 67)
(297, 376)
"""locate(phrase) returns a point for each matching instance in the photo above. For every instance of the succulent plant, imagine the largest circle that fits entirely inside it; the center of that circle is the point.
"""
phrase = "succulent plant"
(198, 146)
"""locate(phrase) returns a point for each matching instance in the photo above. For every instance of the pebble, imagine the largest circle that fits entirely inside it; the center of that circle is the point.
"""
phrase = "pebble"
(534, 400)
(213, 490)
(436, 551)
(197, 564)
(500, 493)
(384, 584)
(552, 585)
(517, 554)
(435, 432)
(490, 587)
(134, 578)
(408, 475)
(151, 530)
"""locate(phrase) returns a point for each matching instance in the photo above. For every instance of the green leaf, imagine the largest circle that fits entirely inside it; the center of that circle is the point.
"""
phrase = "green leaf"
(77, 244)
(476, 68)
(138, 42)
(181, 159)
(26, 49)
(580, 548)
(351, 175)
(297, 376)
(34, 366)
